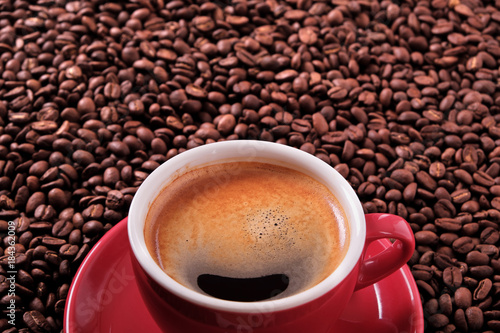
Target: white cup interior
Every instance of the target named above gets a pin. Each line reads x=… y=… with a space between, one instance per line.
x=246 y=150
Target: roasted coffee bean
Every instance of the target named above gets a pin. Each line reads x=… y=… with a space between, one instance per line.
x=452 y=277
x=474 y=317
x=438 y=320
x=482 y=290
x=481 y=272
x=52 y=242
x=463 y=298
x=446 y=304
x=489 y=250
x=431 y=306
x=476 y=258
x=426 y=237
x=92 y=227
x=36 y=322
x=226 y=124
x=65 y=268
x=482 y=178
x=75 y=237
x=444 y=208
x=426 y=288
x=81 y=253
x=68 y=250
x=460 y=320
x=93 y=212
x=489 y=236
x=62 y=228
x=460 y=196
x=449 y=224
x=403 y=176
x=319 y=123
x=463 y=245
x=115 y=199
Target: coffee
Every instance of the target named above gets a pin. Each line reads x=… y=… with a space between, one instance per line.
x=246 y=226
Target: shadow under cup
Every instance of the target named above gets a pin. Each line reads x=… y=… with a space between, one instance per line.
x=180 y=309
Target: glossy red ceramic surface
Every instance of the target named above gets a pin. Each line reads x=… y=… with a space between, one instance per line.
x=105 y=297
x=383 y=226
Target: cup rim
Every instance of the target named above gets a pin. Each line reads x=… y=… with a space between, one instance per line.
x=184 y=161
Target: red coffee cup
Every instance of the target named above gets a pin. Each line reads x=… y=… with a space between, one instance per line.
x=177 y=308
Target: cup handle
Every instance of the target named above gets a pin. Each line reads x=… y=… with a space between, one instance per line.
x=380 y=226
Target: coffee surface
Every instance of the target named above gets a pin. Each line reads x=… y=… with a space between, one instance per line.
x=247 y=220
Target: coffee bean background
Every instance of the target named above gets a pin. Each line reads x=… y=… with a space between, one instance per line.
x=401 y=97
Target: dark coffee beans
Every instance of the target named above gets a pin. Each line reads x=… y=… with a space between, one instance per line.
x=401 y=98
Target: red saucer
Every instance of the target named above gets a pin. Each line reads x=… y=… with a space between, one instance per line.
x=104 y=296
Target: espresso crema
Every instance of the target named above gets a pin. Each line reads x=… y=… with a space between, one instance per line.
x=246 y=220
